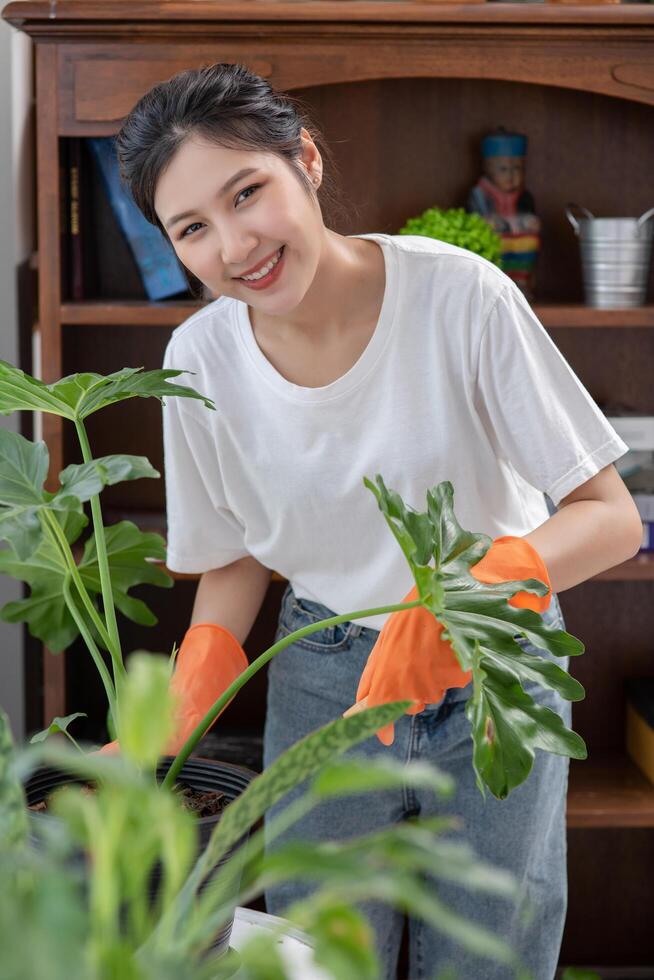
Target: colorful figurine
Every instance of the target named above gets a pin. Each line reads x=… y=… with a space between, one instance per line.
x=501 y=199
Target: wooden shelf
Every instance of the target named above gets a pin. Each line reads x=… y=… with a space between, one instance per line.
x=129 y=313
x=638 y=568
x=164 y=314
x=579 y=315
x=608 y=790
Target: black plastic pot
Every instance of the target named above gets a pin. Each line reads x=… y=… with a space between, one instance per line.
x=199 y=774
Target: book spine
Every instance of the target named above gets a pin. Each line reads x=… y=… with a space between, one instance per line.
x=647 y=543
x=64 y=222
x=75 y=234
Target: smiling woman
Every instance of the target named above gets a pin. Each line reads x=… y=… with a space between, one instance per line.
x=230 y=129
x=334 y=357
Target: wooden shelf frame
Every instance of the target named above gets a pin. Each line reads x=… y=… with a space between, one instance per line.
x=607 y=790
x=93 y=60
x=171 y=314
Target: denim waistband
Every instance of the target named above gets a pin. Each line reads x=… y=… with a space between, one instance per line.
x=553 y=615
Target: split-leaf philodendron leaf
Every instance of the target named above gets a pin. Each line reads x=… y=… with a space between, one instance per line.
x=483 y=629
x=23 y=498
x=45 y=610
x=79 y=395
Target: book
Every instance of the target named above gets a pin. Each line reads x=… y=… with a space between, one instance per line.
x=75 y=238
x=159 y=267
x=640 y=723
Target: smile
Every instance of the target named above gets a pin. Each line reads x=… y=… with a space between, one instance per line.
x=268 y=274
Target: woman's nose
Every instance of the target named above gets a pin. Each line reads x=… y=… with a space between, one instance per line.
x=237 y=249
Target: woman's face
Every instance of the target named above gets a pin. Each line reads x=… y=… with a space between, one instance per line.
x=222 y=227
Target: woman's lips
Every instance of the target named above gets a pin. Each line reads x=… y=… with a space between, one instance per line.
x=272 y=276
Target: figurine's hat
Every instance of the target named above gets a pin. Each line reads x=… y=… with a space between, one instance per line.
x=502 y=144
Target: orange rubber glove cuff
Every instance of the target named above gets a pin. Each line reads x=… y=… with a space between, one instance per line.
x=209 y=660
x=509 y=559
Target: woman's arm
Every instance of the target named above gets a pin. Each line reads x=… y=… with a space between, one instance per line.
x=596 y=527
x=232 y=596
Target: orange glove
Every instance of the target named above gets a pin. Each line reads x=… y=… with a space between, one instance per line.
x=409 y=659
x=209 y=660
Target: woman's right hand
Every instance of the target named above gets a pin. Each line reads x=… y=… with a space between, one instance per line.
x=209 y=660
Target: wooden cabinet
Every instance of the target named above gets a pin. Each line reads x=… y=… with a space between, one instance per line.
x=403 y=92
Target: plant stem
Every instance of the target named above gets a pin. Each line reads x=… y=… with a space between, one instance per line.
x=103 y=562
x=256 y=665
x=68 y=557
x=78 y=747
x=95 y=653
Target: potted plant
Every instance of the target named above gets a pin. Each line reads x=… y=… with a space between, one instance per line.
x=41 y=527
x=56 y=922
x=457 y=227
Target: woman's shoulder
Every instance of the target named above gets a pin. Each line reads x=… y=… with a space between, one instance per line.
x=448 y=276
x=427 y=250
x=203 y=335
x=192 y=330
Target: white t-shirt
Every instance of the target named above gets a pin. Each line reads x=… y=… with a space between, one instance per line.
x=459 y=382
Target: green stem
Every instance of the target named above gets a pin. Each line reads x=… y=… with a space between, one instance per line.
x=256 y=665
x=95 y=653
x=103 y=562
x=78 y=747
x=58 y=533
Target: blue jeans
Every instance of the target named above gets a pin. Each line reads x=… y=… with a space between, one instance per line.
x=311 y=683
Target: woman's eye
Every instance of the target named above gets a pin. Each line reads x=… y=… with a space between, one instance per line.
x=253 y=187
x=196 y=224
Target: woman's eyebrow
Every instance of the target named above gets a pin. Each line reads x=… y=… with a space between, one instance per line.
x=245 y=172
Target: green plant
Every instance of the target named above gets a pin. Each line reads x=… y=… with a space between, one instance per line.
x=54 y=923
x=40 y=527
x=457 y=227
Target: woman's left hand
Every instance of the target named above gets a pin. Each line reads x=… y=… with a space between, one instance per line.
x=410 y=660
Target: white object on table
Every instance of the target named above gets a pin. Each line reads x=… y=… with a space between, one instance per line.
x=294 y=947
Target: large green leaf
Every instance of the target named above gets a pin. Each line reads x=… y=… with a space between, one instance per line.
x=84 y=480
x=13 y=815
x=79 y=395
x=484 y=630
x=23 y=497
x=44 y=611
x=23 y=469
x=390 y=865
x=130 y=553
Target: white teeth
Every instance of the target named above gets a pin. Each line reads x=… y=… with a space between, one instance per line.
x=265 y=270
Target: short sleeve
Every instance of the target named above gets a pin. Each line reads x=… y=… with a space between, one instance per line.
x=536 y=412
x=203 y=533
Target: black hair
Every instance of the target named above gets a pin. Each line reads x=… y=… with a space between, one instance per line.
x=230 y=106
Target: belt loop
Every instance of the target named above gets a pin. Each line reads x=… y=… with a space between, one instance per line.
x=355 y=629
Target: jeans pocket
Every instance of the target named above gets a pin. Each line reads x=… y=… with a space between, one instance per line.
x=298 y=613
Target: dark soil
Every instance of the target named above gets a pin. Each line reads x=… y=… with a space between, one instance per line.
x=205 y=803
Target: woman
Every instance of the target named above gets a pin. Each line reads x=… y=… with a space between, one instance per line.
x=330 y=358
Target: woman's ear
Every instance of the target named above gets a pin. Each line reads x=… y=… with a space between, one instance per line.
x=310 y=155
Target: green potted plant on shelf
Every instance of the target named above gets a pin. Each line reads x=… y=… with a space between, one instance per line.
x=71 y=597
x=457 y=227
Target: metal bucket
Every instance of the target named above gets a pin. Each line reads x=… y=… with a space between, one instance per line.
x=615 y=257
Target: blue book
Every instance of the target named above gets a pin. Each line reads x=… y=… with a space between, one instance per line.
x=158 y=265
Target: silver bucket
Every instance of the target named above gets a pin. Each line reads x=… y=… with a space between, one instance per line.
x=615 y=257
